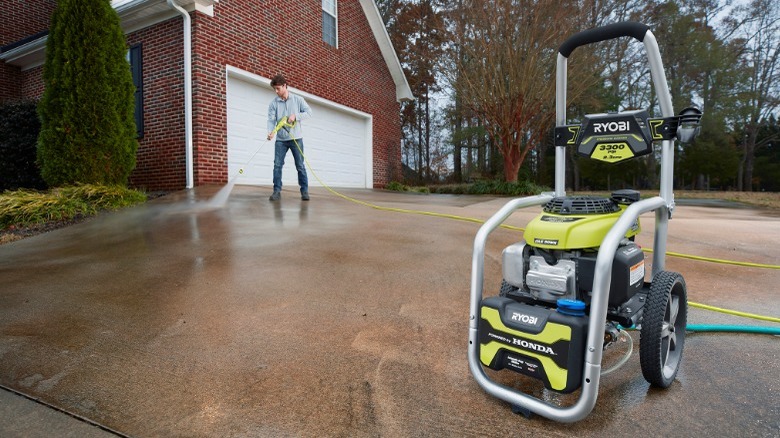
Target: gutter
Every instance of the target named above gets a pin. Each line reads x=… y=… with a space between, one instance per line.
x=187 y=90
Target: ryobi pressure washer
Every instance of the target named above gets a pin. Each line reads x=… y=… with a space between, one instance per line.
x=577 y=278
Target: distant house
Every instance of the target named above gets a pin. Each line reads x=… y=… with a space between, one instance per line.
x=336 y=53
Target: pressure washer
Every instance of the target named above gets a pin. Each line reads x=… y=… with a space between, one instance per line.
x=577 y=278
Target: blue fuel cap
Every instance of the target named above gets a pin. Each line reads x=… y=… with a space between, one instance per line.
x=571 y=307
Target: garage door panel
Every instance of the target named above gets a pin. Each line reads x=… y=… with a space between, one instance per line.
x=335 y=142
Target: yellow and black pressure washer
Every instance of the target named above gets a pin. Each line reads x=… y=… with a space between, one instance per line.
x=578 y=278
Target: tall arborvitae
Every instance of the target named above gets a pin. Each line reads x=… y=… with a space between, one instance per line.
x=87 y=125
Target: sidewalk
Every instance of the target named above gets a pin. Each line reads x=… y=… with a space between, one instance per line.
x=20 y=416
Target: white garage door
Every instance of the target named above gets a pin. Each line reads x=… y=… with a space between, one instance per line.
x=337 y=140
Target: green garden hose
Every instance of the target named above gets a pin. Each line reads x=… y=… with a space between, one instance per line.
x=733 y=329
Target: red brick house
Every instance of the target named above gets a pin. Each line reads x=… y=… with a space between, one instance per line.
x=336 y=53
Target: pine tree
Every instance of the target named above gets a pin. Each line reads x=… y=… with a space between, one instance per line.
x=87 y=125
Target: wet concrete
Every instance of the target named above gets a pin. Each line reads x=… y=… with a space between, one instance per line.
x=332 y=319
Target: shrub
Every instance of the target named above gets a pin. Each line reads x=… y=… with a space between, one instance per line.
x=395 y=186
x=19 y=128
x=519 y=188
x=29 y=207
x=486 y=187
x=398 y=187
x=87 y=125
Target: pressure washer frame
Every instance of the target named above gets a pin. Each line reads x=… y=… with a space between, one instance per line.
x=662 y=205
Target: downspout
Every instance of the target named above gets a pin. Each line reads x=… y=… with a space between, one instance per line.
x=187 y=89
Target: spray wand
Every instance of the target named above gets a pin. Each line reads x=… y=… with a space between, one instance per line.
x=282 y=124
x=220 y=198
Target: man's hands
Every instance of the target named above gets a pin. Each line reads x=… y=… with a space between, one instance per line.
x=286 y=122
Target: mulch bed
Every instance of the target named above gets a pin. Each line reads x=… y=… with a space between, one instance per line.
x=14 y=233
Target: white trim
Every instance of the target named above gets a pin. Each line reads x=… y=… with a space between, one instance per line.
x=133 y=26
x=140 y=14
x=244 y=75
x=402 y=90
x=28 y=55
x=202 y=6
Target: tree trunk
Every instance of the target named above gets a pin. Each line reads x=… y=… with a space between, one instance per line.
x=512 y=158
x=750 y=152
x=420 y=160
x=741 y=169
x=481 y=148
x=511 y=167
x=457 y=144
x=469 y=159
x=427 y=136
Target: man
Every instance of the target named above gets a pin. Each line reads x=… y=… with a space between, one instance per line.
x=296 y=110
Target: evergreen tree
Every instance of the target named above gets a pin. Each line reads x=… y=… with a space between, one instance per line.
x=87 y=125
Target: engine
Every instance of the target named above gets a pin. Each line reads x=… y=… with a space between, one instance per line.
x=557 y=258
x=540 y=275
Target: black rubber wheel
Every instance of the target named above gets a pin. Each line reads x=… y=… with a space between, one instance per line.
x=662 y=336
x=506 y=288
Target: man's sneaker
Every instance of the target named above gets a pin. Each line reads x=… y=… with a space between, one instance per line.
x=305 y=196
x=275 y=196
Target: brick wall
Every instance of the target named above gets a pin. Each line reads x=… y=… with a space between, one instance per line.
x=209 y=102
x=161 y=157
x=32 y=83
x=10 y=77
x=20 y=19
x=285 y=37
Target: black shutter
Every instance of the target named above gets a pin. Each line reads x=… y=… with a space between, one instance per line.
x=136 y=67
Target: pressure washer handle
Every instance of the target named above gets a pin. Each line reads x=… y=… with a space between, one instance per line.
x=283 y=124
x=604 y=33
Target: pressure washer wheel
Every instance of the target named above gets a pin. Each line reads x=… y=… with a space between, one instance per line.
x=663 y=329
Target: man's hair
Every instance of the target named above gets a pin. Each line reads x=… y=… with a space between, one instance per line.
x=278 y=80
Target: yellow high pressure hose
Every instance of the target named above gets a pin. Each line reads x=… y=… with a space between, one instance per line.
x=734 y=312
x=714 y=260
x=284 y=124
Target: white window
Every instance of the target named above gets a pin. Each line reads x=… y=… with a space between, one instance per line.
x=330 y=22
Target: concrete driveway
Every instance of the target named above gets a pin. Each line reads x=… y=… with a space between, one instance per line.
x=329 y=318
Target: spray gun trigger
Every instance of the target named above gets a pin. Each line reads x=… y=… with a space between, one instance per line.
x=284 y=124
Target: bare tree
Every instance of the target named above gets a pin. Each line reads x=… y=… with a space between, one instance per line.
x=502 y=69
x=760 y=96
x=418 y=35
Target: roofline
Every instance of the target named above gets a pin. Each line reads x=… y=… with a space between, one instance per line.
x=139 y=14
x=402 y=90
x=134 y=15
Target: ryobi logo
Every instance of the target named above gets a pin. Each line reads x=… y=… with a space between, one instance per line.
x=600 y=127
x=527 y=319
